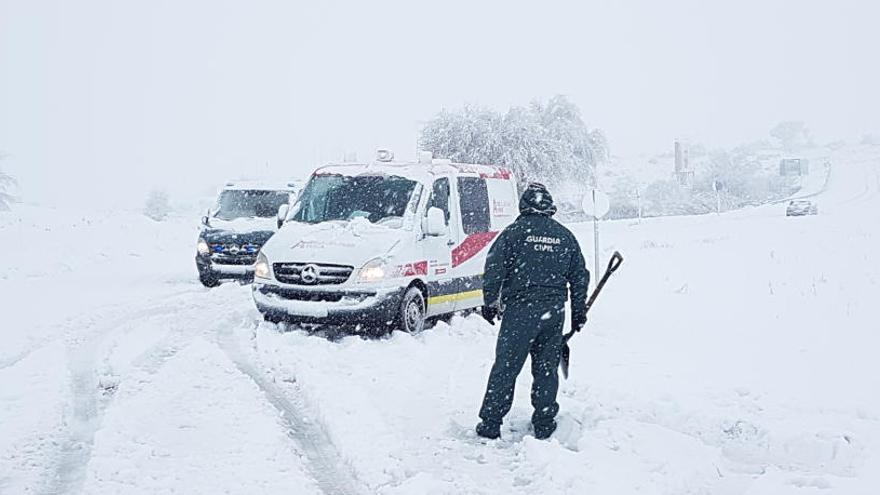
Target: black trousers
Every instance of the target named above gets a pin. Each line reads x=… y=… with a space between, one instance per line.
x=527 y=328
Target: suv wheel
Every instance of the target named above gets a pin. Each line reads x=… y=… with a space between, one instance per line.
x=208 y=279
x=412 y=311
x=272 y=317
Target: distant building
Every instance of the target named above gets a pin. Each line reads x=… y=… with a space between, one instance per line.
x=684 y=172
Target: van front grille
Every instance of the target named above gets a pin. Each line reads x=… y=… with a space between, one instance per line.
x=311 y=273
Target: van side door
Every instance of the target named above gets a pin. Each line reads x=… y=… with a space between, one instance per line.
x=469 y=256
x=438 y=251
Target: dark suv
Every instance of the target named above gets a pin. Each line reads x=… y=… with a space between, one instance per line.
x=233 y=232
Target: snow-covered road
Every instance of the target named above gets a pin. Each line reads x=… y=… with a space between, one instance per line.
x=732 y=354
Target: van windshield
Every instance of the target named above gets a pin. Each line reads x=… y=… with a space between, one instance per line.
x=234 y=204
x=379 y=199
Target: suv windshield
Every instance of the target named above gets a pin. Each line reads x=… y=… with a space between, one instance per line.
x=379 y=199
x=234 y=204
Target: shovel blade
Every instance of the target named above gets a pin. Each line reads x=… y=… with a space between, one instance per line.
x=563 y=360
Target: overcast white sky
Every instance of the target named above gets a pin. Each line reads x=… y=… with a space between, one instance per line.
x=101 y=95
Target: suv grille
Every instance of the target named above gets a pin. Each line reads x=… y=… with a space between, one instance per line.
x=315 y=273
x=234 y=254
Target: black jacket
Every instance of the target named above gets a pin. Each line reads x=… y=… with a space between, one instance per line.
x=536 y=259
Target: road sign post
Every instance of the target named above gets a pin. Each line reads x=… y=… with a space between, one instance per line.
x=717 y=186
x=596 y=205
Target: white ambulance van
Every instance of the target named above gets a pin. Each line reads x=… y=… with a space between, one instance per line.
x=386 y=244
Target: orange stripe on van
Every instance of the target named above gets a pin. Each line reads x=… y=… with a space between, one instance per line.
x=499 y=173
x=472 y=245
x=417 y=268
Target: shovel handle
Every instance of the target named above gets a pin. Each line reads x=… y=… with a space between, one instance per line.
x=614 y=262
x=613 y=265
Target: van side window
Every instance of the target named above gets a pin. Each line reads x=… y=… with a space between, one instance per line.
x=440 y=196
x=474 y=201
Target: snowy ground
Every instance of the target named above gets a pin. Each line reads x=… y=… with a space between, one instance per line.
x=732 y=354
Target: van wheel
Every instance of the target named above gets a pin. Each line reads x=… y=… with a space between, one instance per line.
x=412 y=311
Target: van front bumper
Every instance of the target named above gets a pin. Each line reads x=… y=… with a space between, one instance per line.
x=320 y=305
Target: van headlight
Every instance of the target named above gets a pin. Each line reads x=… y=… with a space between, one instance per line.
x=202 y=246
x=372 y=271
x=261 y=267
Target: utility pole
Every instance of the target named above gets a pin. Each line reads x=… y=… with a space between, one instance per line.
x=639 y=203
x=596 y=238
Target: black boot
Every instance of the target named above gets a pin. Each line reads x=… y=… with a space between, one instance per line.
x=488 y=430
x=544 y=430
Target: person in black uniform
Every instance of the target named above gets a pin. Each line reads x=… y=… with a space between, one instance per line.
x=529 y=272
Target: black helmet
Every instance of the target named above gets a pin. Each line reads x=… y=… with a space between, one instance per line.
x=536 y=199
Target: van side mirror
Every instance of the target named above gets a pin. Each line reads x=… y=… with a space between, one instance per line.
x=206 y=220
x=435 y=223
x=282 y=214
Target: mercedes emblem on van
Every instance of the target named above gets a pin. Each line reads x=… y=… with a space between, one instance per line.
x=309 y=274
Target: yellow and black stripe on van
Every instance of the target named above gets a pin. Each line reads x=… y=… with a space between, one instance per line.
x=455 y=289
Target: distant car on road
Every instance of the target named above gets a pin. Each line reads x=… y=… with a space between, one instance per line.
x=801 y=207
x=236 y=228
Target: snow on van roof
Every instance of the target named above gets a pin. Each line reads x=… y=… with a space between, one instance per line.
x=256 y=185
x=421 y=172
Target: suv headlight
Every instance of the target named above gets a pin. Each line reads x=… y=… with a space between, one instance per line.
x=202 y=246
x=373 y=271
x=261 y=267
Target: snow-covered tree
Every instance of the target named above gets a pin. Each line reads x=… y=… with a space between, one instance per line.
x=737 y=177
x=743 y=181
x=546 y=141
x=791 y=134
x=570 y=156
x=667 y=197
x=623 y=199
x=471 y=135
x=6 y=182
x=599 y=145
x=157 y=206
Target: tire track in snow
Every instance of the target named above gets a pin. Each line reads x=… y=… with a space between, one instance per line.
x=69 y=471
x=14 y=359
x=323 y=460
x=90 y=399
x=18 y=357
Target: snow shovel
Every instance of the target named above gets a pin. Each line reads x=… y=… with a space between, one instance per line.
x=613 y=264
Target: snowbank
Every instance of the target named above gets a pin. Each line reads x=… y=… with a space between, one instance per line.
x=731 y=354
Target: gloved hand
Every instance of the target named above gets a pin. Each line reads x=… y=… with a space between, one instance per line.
x=490 y=313
x=578 y=321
